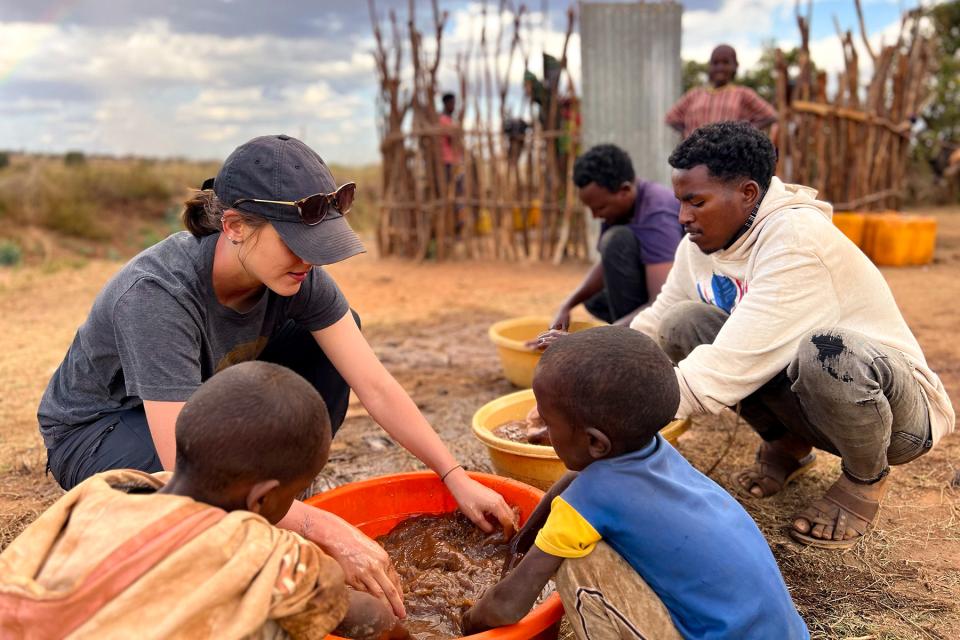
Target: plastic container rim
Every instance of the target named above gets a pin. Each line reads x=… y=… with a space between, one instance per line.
x=486 y=436
x=495 y=332
x=502 y=444
x=537 y=620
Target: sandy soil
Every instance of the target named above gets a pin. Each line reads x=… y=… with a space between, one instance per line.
x=428 y=324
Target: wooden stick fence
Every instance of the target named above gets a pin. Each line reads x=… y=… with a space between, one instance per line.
x=853 y=149
x=511 y=196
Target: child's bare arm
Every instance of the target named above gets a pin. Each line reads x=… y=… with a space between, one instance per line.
x=528 y=533
x=369 y=619
x=511 y=598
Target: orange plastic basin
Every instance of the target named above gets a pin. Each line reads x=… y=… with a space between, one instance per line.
x=377 y=505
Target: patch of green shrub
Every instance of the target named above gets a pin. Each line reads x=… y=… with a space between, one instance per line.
x=10 y=253
x=74 y=158
x=75 y=218
x=149 y=237
x=117 y=183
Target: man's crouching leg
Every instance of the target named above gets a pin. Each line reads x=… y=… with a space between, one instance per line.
x=687 y=325
x=862 y=402
x=862 y=398
x=605 y=599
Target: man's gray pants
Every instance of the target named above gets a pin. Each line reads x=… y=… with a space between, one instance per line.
x=842 y=392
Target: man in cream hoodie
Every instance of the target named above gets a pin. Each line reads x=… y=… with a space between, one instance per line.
x=770 y=306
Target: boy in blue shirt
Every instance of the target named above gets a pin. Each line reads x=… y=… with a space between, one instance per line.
x=642 y=544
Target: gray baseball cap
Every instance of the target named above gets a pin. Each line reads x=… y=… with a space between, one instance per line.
x=283 y=168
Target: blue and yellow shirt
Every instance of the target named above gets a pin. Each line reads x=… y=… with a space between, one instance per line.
x=688 y=538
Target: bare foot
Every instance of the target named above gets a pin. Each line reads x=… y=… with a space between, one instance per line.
x=843 y=514
x=778 y=462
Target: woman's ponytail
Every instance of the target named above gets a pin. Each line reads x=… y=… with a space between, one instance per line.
x=202 y=212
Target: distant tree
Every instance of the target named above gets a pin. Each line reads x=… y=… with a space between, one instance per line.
x=762 y=77
x=74 y=158
x=940 y=133
x=4 y=159
x=694 y=74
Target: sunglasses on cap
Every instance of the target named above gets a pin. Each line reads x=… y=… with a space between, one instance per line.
x=313 y=209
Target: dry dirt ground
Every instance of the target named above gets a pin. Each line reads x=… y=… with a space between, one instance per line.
x=428 y=323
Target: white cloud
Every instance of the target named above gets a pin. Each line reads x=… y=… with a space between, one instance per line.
x=21 y=40
x=703 y=30
x=221 y=134
x=315 y=101
x=24 y=106
x=158 y=92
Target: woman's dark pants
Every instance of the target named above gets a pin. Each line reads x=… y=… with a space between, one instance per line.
x=122 y=440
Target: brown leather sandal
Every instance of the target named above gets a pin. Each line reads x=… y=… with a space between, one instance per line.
x=844 y=511
x=772 y=472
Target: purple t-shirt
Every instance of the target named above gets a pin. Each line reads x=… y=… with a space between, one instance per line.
x=655 y=222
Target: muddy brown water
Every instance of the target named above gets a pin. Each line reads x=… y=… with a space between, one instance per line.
x=445 y=563
x=521 y=431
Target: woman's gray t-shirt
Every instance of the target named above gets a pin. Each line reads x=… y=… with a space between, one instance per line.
x=157 y=331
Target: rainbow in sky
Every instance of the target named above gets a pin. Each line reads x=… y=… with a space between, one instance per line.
x=56 y=13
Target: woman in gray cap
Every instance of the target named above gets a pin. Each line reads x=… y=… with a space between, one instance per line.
x=240 y=285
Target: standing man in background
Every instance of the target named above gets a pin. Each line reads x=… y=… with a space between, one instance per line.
x=450 y=151
x=451 y=154
x=722 y=100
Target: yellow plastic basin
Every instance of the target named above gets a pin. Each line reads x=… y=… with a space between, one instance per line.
x=534 y=464
x=517 y=359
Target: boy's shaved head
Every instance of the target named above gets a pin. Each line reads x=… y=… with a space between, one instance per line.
x=612 y=379
x=252 y=422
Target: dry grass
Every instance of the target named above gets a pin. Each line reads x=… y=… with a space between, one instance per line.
x=71 y=199
x=115 y=206
x=366 y=207
x=24 y=491
x=891 y=585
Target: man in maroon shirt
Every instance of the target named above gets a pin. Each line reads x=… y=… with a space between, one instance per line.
x=722 y=100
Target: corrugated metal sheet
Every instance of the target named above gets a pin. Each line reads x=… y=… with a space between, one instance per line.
x=631 y=76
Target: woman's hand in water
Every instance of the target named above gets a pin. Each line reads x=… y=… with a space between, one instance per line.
x=477 y=502
x=365 y=564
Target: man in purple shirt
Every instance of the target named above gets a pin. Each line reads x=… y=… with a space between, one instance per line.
x=638 y=238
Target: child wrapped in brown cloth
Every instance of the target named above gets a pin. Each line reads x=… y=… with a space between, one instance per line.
x=194 y=555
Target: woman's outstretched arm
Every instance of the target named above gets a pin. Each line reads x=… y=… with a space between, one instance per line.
x=394 y=410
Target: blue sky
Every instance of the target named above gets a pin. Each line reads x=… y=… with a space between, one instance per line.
x=195 y=78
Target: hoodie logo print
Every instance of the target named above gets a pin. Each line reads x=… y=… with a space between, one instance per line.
x=722 y=291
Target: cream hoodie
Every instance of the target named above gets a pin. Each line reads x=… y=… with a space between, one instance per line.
x=793 y=272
